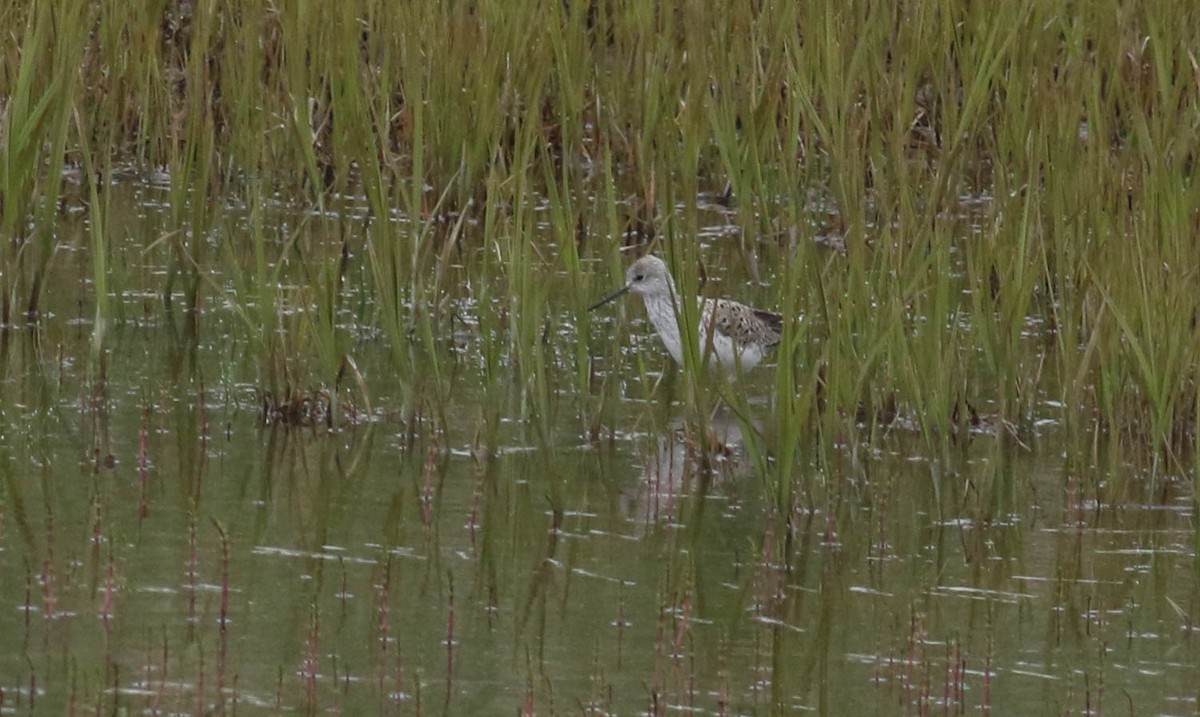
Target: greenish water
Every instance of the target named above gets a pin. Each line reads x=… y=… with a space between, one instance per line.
x=402 y=564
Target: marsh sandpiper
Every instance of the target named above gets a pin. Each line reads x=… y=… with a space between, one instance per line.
x=733 y=335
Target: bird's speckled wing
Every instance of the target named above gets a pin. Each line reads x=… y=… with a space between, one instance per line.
x=743 y=324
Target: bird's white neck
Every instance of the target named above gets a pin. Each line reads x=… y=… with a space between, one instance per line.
x=662 y=312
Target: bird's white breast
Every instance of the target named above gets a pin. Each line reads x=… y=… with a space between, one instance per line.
x=714 y=344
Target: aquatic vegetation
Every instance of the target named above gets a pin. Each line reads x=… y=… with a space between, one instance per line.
x=296 y=367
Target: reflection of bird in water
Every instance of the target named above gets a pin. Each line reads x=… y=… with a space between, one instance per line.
x=674 y=468
x=735 y=335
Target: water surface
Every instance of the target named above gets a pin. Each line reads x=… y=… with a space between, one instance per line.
x=165 y=547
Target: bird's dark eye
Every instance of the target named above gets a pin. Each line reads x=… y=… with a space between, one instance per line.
x=639 y=277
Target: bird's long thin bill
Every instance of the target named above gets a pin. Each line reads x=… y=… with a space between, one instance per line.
x=604 y=301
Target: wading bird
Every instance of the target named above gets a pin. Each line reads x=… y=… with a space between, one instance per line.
x=733 y=335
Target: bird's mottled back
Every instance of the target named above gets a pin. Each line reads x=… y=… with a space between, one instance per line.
x=743 y=324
